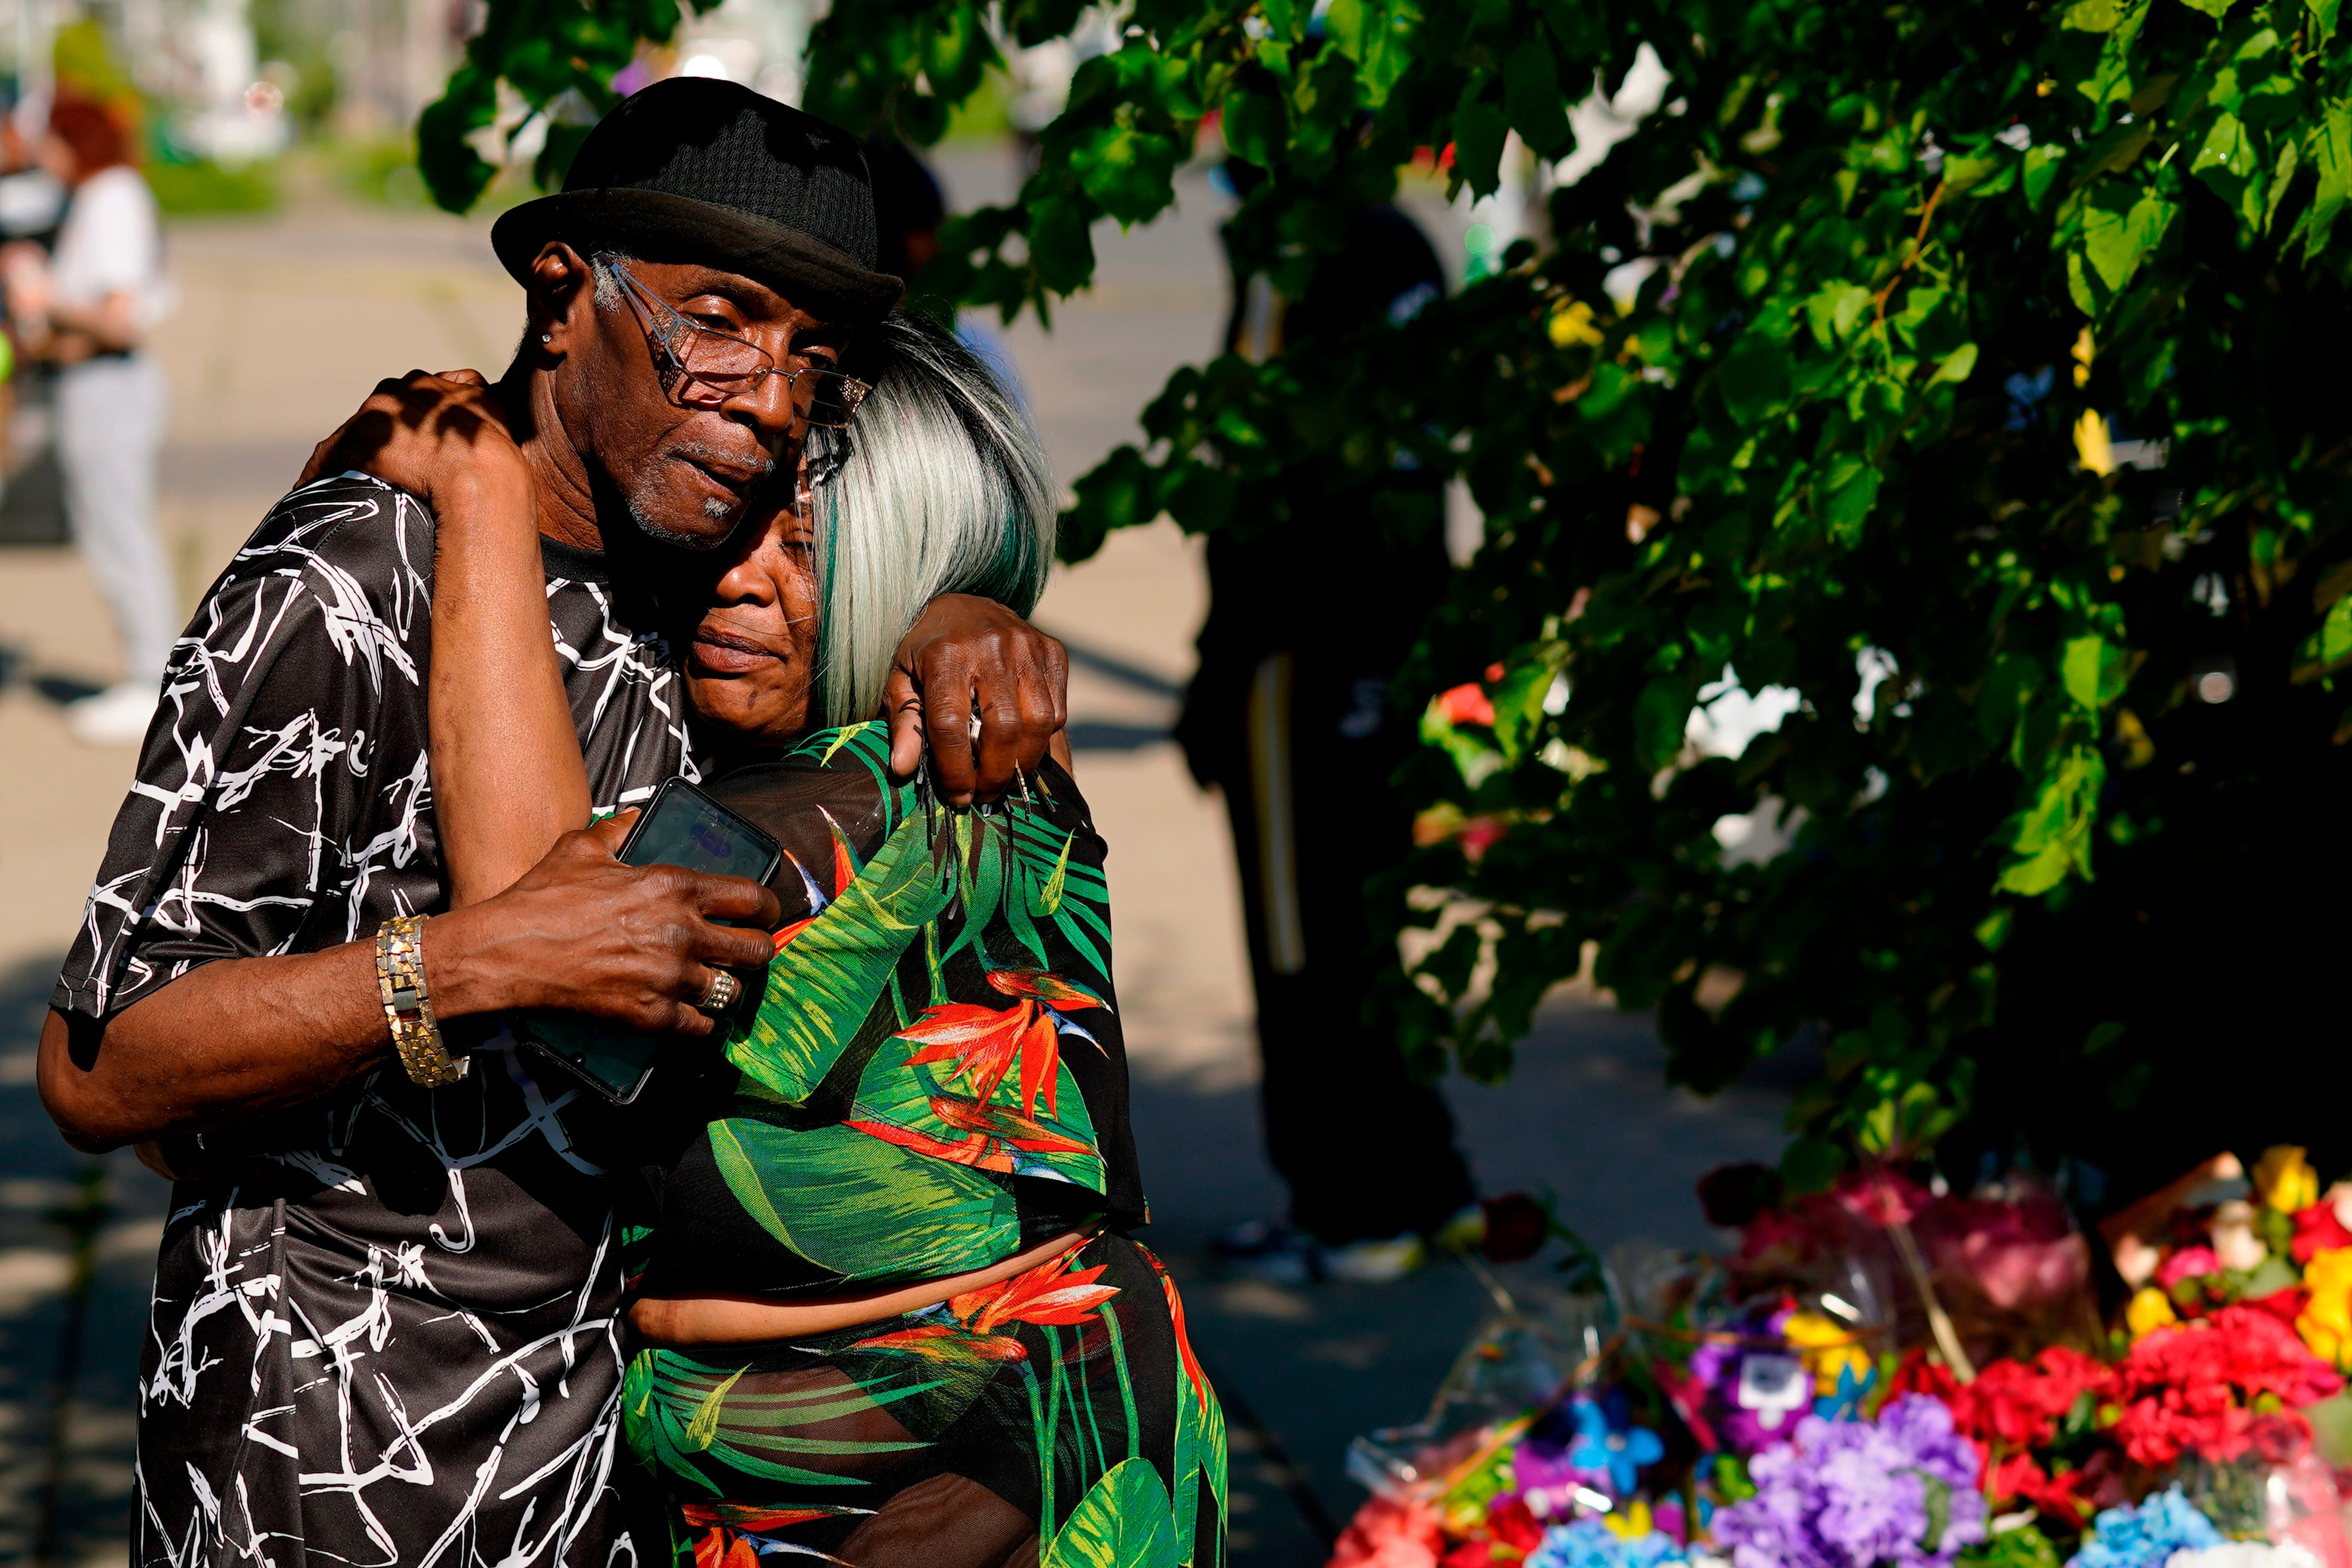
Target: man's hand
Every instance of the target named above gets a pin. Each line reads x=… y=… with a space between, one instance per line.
x=968 y=658
x=428 y=433
x=240 y=1037
x=583 y=933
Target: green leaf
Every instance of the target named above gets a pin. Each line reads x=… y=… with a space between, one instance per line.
x=1532 y=99
x=1130 y=172
x=1479 y=130
x=2331 y=154
x=1059 y=245
x=2051 y=837
x=1519 y=699
x=1834 y=310
x=1378 y=36
x=2214 y=9
x=2093 y=15
x=1956 y=366
x=1853 y=489
x=1661 y=715
x=1754 y=379
x=866 y=1209
x=2323 y=19
x=1123 y=1521
x=824 y=982
x=2118 y=242
x=1255 y=127
x=2042 y=161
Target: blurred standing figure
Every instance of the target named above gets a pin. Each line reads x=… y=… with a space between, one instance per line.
x=88 y=309
x=1292 y=693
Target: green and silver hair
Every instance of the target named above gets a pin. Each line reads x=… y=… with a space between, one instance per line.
x=944 y=489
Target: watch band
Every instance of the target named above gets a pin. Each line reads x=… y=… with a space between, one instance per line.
x=408 y=1006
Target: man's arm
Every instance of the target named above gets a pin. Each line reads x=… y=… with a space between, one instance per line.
x=237 y=1038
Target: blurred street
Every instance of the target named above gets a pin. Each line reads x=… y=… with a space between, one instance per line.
x=286 y=322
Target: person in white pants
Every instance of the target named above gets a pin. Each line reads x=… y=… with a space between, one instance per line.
x=87 y=310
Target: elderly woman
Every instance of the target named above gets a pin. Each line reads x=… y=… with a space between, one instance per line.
x=890 y=1312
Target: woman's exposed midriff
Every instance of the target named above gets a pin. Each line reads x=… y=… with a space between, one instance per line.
x=678 y=1323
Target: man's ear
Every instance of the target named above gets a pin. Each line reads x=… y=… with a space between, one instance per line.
x=562 y=296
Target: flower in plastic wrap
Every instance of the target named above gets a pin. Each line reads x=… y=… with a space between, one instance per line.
x=1590 y=1543
x=1855 y=1494
x=2018 y=1251
x=2284 y=1179
x=1609 y=1448
x=1390 y=1532
x=2245 y=1554
x=2192 y=1389
x=2145 y=1536
x=1753 y=1390
x=2326 y=1323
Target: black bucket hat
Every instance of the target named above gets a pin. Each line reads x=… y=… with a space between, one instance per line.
x=699 y=169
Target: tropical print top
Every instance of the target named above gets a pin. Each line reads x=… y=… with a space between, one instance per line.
x=933 y=1078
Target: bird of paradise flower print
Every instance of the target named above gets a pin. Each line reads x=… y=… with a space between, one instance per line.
x=986 y=1043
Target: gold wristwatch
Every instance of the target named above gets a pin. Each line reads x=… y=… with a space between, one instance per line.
x=408 y=1007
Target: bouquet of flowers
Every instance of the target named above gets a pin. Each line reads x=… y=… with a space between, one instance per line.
x=1772 y=1409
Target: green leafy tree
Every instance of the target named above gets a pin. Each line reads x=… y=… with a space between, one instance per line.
x=1919 y=276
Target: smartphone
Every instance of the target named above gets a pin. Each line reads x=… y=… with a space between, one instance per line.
x=683 y=827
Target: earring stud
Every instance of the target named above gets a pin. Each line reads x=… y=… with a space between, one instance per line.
x=547 y=337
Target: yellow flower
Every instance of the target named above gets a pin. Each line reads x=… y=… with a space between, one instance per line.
x=2325 y=1325
x=1571 y=323
x=1633 y=1521
x=2150 y=1310
x=1826 y=1347
x=2286 y=1179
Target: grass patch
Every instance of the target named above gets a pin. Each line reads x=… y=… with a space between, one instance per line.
x=203 y=186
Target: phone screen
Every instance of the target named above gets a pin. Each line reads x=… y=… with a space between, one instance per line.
x=683 y=828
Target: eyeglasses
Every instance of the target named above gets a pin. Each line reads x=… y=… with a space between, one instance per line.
x=693 y=354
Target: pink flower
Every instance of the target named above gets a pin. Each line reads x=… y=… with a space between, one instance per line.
x=1467 y=704
x=1388 y=1532
x=2188 y=1263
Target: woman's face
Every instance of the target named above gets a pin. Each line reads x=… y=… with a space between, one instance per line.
x=749 y=668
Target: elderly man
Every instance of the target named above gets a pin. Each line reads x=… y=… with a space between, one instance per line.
x=385 y=1324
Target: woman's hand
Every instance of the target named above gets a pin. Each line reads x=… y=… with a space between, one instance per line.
x=967 y=659
x=583 y=933
x=443 y=437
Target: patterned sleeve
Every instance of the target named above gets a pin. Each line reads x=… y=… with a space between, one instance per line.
x=281 y=796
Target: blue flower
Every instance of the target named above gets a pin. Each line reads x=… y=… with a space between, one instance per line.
x=2145 y=1536
x=1589 y=1543
x=1608 y=1442
x=1845 y=1404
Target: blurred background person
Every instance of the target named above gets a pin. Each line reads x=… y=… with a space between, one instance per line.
x=1289 y=716
x=909 y=208
x=88 y=309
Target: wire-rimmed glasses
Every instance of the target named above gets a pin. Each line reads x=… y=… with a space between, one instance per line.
x=693 y=354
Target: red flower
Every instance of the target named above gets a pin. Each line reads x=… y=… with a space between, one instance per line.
x=986 y=1045
x=1044 y=1295
x=1183 y=1337
x=1511 y=1525
x=716 y=1526
x=1466 y=705
x=2191 y=1388
x=2316 y=1229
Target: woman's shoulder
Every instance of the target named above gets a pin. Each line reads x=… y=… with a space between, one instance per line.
x=831 y=791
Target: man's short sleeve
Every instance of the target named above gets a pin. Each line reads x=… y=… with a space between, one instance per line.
x=282 y=804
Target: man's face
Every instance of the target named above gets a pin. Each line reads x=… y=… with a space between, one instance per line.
x=684 y=456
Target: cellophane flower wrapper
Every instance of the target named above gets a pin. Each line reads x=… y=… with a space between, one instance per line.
x=1742 y=1354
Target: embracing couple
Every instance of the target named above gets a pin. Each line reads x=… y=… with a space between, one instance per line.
x=847 y=1278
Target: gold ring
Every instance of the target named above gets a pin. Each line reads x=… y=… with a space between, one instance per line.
x=721 y=992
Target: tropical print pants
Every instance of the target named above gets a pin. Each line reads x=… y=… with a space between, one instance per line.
x=1057 y=1419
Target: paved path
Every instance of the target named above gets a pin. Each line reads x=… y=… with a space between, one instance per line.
x=287 y=323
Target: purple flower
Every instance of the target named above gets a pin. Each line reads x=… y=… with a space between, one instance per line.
x=1899 y=1492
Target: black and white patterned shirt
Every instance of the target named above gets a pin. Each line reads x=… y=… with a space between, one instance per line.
x=388 y=1331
